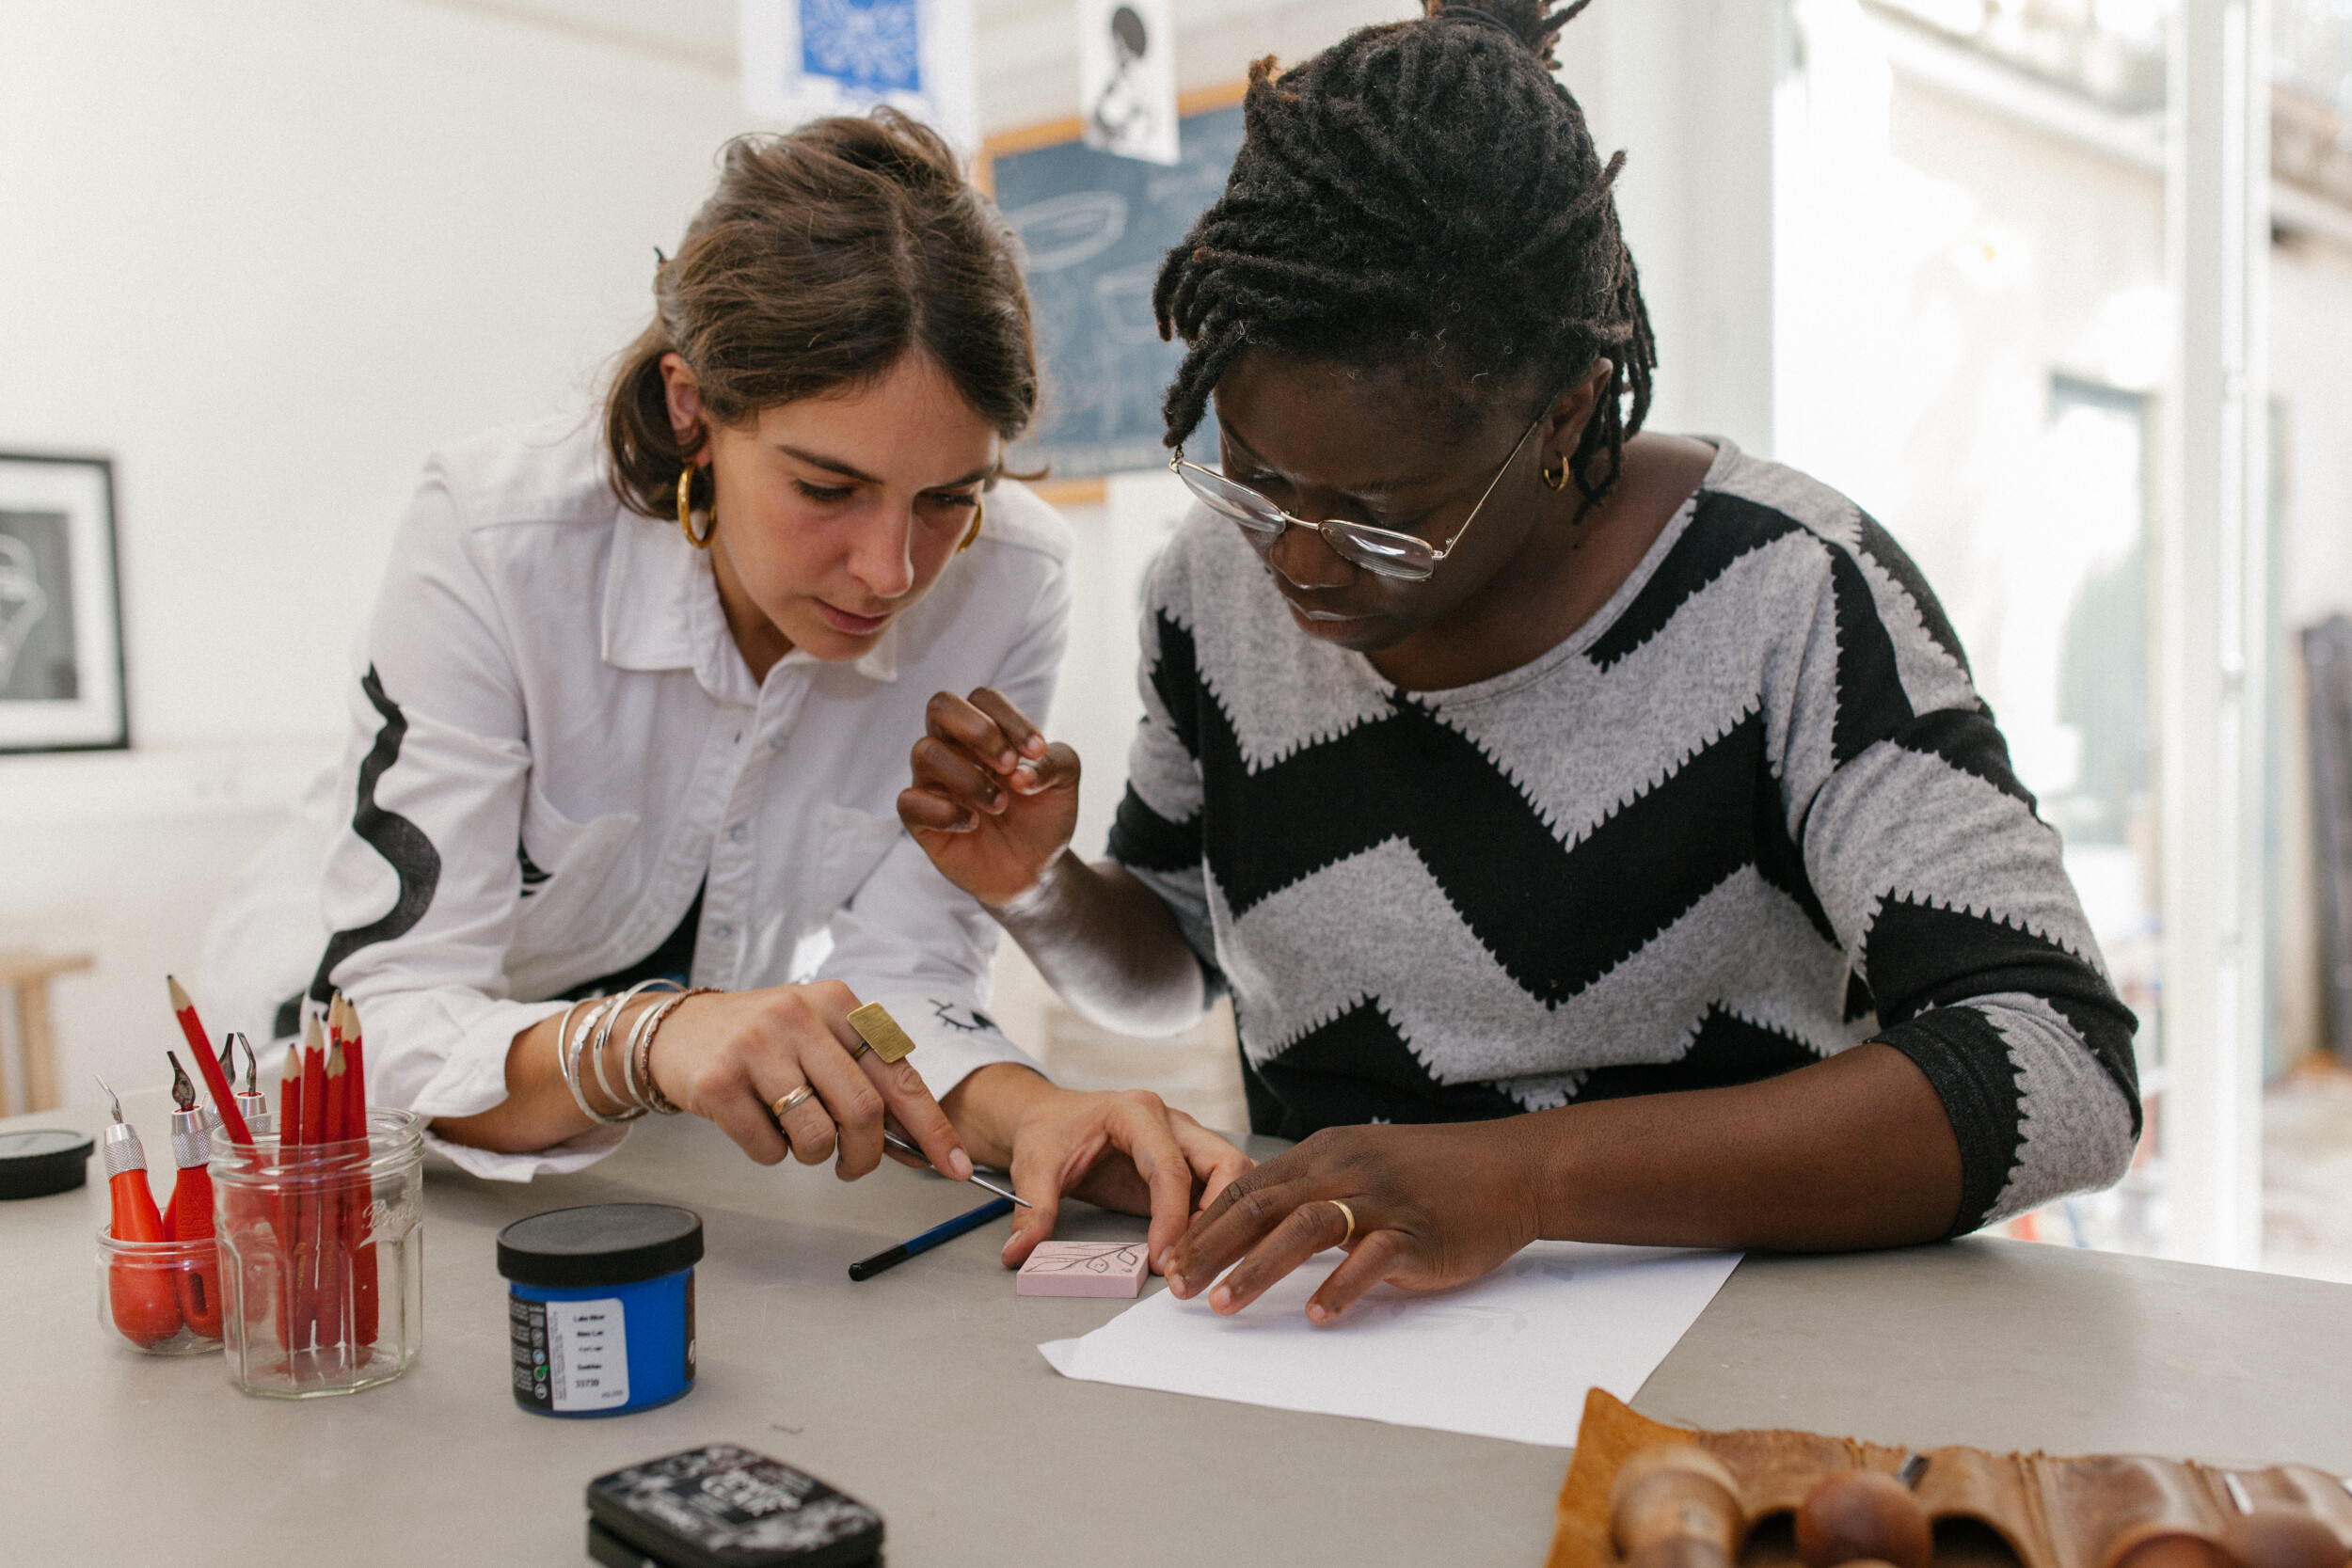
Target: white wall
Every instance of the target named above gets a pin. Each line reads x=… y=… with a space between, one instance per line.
x=267 y=255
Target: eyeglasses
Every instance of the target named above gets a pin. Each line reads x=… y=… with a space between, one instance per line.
x=1377 y=549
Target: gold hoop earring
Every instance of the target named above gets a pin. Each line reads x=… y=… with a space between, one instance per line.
x=979 y=509
x=1557 y=479
x=686 y=513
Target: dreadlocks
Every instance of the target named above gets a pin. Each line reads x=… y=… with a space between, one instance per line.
x=1421 y=187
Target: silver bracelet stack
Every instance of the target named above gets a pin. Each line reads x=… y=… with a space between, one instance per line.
x=594 y=1032
x=637 y=1062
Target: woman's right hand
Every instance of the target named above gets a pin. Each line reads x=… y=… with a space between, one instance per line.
x=730 y=1057
x=994 y=802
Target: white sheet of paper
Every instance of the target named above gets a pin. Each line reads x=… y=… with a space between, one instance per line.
x=1510 y=1355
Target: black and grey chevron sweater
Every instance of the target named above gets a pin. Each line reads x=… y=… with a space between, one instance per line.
x=1750 y=814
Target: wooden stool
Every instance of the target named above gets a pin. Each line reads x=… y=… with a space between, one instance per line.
x=28 y=975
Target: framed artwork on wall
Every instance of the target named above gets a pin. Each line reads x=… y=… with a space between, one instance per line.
x=60 y=609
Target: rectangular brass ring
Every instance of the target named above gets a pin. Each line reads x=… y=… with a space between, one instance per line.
x=878 y=1029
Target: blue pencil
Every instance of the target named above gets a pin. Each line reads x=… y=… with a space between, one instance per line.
x=970 y=1220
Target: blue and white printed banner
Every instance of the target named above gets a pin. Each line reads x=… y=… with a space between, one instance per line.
x=804 y=59
x=1127 y=77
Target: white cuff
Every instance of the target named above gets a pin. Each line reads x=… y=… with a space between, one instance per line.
x=471 y=1079
x=952 y=1038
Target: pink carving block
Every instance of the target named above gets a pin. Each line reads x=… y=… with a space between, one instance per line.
x=1082 y=1269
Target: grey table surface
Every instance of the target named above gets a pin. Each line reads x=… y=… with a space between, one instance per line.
x=922 y=1392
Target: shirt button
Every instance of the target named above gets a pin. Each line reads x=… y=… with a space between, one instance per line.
x=776 y=744
x=735 y=835
x=723 y=933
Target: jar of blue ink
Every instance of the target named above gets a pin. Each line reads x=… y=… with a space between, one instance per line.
x=600 y=1307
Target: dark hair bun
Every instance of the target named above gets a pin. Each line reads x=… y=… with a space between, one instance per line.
x=1527 y=21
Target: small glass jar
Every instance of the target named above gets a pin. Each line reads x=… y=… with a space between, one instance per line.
x=323 y=1259
x=160 y=1298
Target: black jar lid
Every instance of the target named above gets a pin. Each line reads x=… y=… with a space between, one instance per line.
x=601 y=1243
x=38 y=1161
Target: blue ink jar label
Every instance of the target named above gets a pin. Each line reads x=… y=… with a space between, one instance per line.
x=600 y=1307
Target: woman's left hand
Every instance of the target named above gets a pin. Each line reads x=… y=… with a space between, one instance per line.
x=1122 y=1149
x=1434 y=1205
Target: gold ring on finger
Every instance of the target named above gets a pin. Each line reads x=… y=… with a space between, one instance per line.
x=785 y=1103
x=1350 y=1214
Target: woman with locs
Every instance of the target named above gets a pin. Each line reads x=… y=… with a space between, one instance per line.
x=633 y=709
x=1598 y=830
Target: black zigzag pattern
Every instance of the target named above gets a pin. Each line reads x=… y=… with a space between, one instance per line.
x=1144 y=839
x=1556 y=919
x=1969 y=741
x=1860 y=1004
x=1890 y=558
x=1871 y=704
x=1921 y=958
x=1726 y=1049
x=1176 y=680
x=1722 y=529
x=1357 y=1068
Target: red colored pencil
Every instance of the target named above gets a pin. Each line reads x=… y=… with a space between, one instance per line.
x=313 y=1210
x=363 y=1278
x=224 y=1100
x=289 y=1207
x=334 y=1252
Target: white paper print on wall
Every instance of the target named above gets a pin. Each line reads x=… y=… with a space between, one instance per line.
x=804 y=59
x=60 y=620
x=1127 y=77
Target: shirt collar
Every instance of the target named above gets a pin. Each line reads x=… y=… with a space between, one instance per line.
x=661 y=612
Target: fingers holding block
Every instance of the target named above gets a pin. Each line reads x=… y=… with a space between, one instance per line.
x=1082 y=1269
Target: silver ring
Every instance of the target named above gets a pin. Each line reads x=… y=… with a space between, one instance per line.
x=863 y=1047
x=786 y=1103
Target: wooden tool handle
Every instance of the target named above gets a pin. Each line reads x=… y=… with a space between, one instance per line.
x=1862 y=1515
x=1672 y=1492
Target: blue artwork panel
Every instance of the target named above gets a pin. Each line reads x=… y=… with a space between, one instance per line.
x=1095 y=226
x=868 y=46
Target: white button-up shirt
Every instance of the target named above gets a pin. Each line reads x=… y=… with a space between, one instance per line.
x=557 y=743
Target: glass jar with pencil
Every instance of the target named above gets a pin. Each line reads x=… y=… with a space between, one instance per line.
x=317 y=1218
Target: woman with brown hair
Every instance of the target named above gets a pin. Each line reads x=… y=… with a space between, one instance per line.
x=633 y=707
